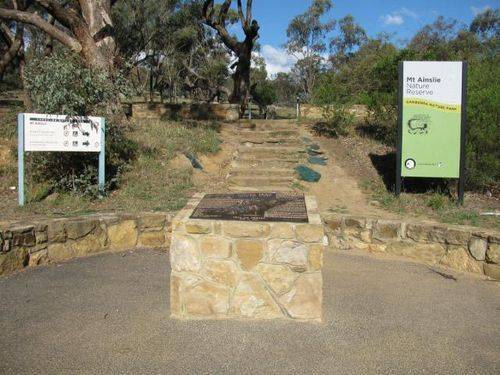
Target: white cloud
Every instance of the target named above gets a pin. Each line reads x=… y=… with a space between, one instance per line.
x=393 y=19
x=277 y=59
x=398 y=17
x=478 y=10
x=409 y=13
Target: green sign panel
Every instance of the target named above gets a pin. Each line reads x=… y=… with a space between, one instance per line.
x=431 y=119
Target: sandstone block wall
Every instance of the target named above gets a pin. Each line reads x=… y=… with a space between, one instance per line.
x=193 y=111
x=461 y=248
x=257 y=270
x=55 y=240
x=312 y=112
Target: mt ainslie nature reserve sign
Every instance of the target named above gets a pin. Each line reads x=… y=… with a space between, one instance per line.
x=432 y=100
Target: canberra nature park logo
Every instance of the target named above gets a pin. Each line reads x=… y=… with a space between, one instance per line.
x=419 y=124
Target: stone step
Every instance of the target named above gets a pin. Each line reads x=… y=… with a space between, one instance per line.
x=269 y=160
x=271 y=151
x=257 y=181
x=267 y=172
x=252 y=124
x=267 y=156
x=266 y=134
x=259 y=143
x=261 y=189
x=265 y=163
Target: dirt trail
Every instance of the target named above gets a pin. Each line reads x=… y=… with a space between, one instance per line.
x=266 y=153
x=337 y=190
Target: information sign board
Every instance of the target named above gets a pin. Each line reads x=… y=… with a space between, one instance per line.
x=48 y=133
x=44 y=132
x=431 y=123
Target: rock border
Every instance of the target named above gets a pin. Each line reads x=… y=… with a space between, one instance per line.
x=462 y=248
x=53 y=240
x=45 y=241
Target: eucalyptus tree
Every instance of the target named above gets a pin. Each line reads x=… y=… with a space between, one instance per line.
x=487 y=24
x=83 y=26
x=286 y=88
x=349 y=38
x=217 y=18
x=144 y=39
x=168 y=40
x=11 y=39
x=306 y=41
x=202 y=54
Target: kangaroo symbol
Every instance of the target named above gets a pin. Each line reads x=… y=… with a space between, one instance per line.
x=418 y=125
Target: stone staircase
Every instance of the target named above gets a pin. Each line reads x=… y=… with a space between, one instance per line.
x=267 y=154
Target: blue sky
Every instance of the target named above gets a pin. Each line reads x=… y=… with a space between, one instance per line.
x=402 y=17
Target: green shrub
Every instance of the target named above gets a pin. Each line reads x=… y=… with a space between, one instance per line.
x=264 y=94
x=61 y=84
x=483 y=121
x=381 y=97
x=381 y=120
x=337 y=121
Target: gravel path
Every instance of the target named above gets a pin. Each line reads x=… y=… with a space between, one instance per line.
x=108 y=314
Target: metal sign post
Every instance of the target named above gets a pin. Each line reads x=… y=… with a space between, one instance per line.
x=250 y=108
x=20 y=158
x=461 y=178
x=298 y=108
x=102 y=159
x=400 y=129
x=46 y=133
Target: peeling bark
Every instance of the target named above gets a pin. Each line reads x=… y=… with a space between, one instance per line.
x=89 y=31
x=91 y=28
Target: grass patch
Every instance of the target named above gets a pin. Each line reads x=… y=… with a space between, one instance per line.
x=168 y=138
x=8 y=127
x=148 y=182
x=297 y=186
x=433 y=204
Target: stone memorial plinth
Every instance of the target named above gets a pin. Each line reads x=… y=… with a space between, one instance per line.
x=256 y=255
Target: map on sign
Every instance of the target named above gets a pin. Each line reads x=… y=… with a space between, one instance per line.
x=44 y=132
x=289 y=207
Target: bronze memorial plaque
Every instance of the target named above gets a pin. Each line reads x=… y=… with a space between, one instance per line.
x=288 y=207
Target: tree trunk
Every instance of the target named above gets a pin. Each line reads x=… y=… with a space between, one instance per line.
x=13 y=50
x=100 y=45
x=26 y=97
x=241 y=77
x=243 y=50
x=92 y=37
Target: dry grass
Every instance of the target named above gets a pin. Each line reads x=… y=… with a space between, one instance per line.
x=148 y=183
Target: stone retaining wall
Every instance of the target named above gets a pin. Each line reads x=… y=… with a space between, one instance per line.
x=313 y=112
x=458 y=247
x=193 y=111
x=55 y=240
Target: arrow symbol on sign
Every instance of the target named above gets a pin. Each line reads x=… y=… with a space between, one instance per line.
x=86 y=143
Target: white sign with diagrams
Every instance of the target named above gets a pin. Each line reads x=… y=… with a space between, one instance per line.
x=44 y=132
